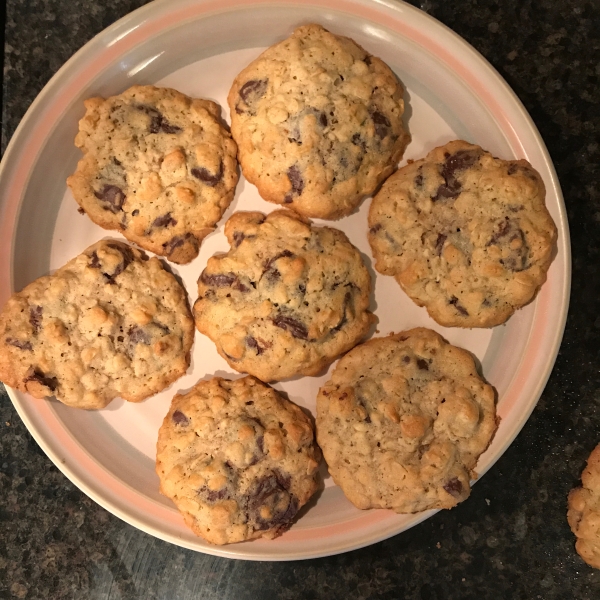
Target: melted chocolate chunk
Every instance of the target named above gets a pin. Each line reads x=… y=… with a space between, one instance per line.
x=358 y=141
x=113 y=196
x=35 y=318
x=158 y=123
x=164 y=221
x=295 y=327
x=34 y=374
x=138 y=336
x=344 y=319
x=95 y=262
x=127 y=258
x=451 y=188
x=219 y=279
x=253 y=90
x=419 y=180
x=422 y=364
x=252 y=343
x=297 y=182
x=382 y=124
x=269 y=492
x=516 y=256
x=19 y=344
x=439 y=243
x=454 y=487
x=459 y=307
x=180 y=419
x=238 y=238
x=206 y=176
x=282 y=254
x=178 y=241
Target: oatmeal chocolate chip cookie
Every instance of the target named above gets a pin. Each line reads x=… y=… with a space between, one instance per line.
x=109 y=323
x=318 y=122
x=584 y=511
x=403 y=421
x=287 y=299
x=158 y=167
x=465 y=234
x=237 y=459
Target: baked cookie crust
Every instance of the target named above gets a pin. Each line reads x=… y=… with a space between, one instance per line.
x=318 y=123
x=237 y=459
x=584 y=511
x=109 y=323
x=158 y=166
x=403 y=420
x=465 y=234
x=287 y=299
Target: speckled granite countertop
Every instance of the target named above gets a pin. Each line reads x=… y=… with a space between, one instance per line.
x=511 y=539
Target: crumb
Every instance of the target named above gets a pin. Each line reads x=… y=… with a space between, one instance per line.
x=488 y=502
x=7 y=423
x=438 y=545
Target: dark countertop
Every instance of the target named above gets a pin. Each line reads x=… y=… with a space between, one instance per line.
x=511 y=538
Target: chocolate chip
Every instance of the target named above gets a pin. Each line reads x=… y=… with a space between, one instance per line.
x=419 y=180
x=454 y=487
x=382 y=124
x=95 y=262
x=165 y=220
x=218 y=280
x=323 y=119
x=135 y=213
x=358 y=141
x=406 y=359
x=367 y=60
x=34 y=374
x=206 y=176
x=377 y=227
x=113 y=196
x=515 y=258
x=269 y=492
x=439 y=243
x=252 y=343
x=282 y=254
x=35 y=317
x=180 y=419
x=238 y=238
x=253 y=90
x=19 y=344
x=503 y=231
x=422 y=364
x=138 y=336
x=461 y=160
x=459 y=307
x=295 y=327
x=178 y=241
x=116 y=161
x=297 y=182
x=344 y=318
x=158 y=123
x=127 y=258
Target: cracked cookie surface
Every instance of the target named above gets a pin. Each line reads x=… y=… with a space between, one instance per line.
x=237 y=459
x=403 y=420
x=584 y=511
x=287 y=299
x=318 y=123
x=158 y=166
x=109 y=323
x=465 y=234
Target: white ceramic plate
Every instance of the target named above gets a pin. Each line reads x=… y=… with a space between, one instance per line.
x=198 y=47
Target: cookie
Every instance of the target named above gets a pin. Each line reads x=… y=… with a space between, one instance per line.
x=287 y=299
x=318 y=123
x=237 y=459
x=403 y=420
x=158 y=167
x=465 y=234
x=109 y=323
x=584 y=511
